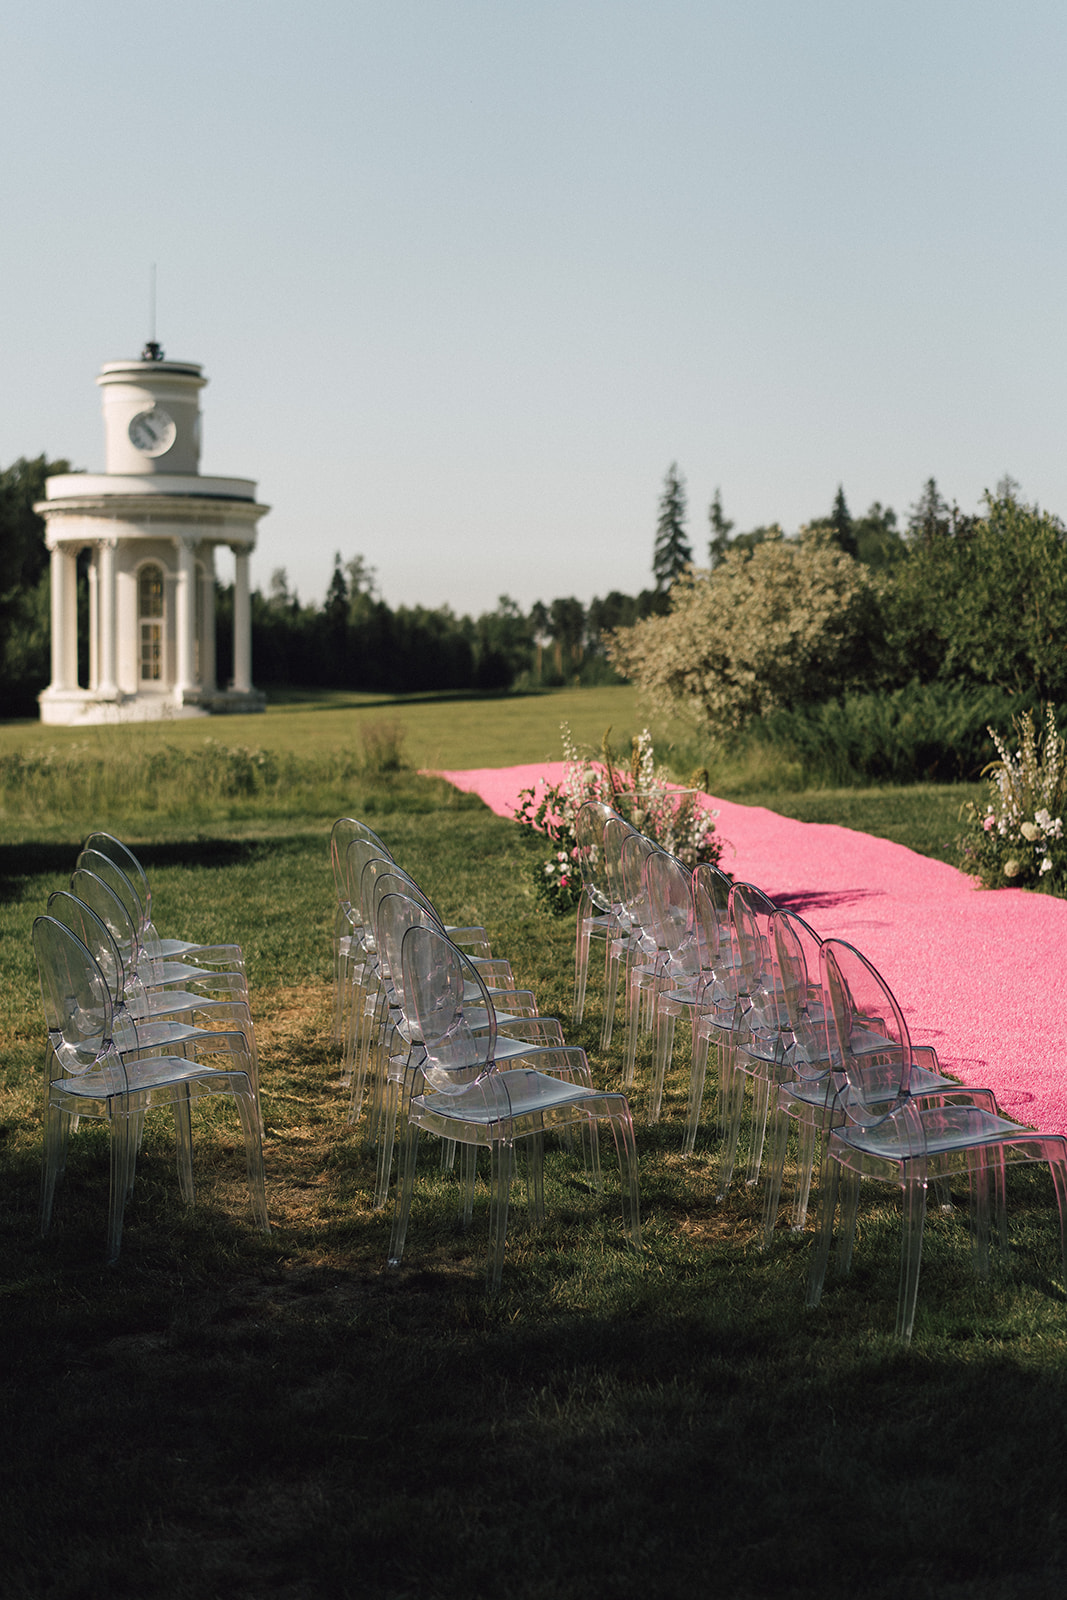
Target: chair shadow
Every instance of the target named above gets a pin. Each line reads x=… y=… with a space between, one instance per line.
x=803 y=900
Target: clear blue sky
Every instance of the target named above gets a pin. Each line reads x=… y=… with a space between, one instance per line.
x=467 y=275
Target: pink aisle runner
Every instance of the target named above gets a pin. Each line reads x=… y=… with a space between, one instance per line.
x=979 y=975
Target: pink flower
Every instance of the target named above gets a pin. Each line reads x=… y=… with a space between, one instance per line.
x=989 y=822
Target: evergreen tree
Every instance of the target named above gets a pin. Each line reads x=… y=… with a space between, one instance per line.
x=929 y=516
x=840 y=524
x=671 y=553
x=720 y=530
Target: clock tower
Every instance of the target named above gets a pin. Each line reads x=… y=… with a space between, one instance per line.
x=152 y=525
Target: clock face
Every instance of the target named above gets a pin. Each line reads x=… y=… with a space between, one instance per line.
x=152 y=432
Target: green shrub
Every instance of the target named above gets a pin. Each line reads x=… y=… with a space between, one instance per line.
x=779 y=625
x=922 y=733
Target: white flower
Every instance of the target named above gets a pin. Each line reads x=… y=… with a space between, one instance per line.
x=1046 y=866
x=1030 y=831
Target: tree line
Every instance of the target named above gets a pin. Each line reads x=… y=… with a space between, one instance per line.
x=353 y=640
x=968 y=604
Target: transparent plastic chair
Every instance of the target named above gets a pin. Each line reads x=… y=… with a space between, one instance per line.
x=129 y=868
x=681 y=978
x=596 y=918
x=713 y=1017
x=158 y=1017
x=401 y=1052
x=759 y=1030
x=139 y=945
x=806 y=1094
x=635 y=948
x=883 y=1131
x=616 y=832
x=469 y=1098
x=87 y=1075
x=347 y=948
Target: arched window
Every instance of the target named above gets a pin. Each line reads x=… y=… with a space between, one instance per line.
x=150 y=616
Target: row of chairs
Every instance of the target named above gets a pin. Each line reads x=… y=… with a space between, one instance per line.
x=436 y=1038
x=812 y=1027
x=136 y=1022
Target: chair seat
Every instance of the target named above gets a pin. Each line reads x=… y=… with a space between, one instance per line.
x=528 y=1093
x=946 y=1131
x=152 y=1072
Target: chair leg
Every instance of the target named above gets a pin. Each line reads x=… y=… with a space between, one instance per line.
x=776 y=1152
x=611 y=989
x=499 y=1195
x=824 y=1229
x=633 y=1024
x=404 y=1188
x=697 y=1074
x=386 y=1136
x=535 y=1179
x=248 y=1112
x=183 y=1143
x=581 y=958
x=121 y=1161
x=761 y=1098
x=663 y=1052
x=807 y=1134
x=56 y=1132
x=911 y=1253
x=623 y=1129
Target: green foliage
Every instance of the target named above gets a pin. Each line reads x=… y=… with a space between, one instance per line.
x=24 y=585
x=922 y=732
x=1017 y=840
x=983 y=599
x=671 y=553
x=780 y=625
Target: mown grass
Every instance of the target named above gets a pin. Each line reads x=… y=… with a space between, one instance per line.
x=224 y=1414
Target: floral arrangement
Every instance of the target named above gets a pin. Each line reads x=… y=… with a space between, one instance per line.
x=1017 y=840
x=645 y=795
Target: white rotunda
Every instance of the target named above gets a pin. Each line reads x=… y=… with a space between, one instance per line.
x=152 y=525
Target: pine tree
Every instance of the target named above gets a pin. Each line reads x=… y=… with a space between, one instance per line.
x=720 y=530
x=840 y=524
x=671 y=553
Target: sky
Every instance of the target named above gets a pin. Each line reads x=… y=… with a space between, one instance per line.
x=467 y=276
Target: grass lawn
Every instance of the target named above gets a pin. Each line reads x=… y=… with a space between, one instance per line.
x=224 y=1414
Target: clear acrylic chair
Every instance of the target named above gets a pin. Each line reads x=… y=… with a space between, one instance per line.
x=133 y=879
x=88 y=1075
x=884 y=1131
x=401 y=1053
x=470 y=1098
x=616 y=832
x=159 y=1017
x=346 y=933
x=140 y=947
x=596 y=918
x=807 y=1090
x=714 y=1015
x=633 y=949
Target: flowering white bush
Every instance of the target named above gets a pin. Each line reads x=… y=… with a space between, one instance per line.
x=766 y=628
x=645 y=795
x=1017 y=840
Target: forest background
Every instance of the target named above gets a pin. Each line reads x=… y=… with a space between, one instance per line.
x=854 y=651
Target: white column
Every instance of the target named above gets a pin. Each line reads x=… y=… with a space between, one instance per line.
x=207 y=613
x=64 y=575
x=185 y=619
x=242 y=623
x=107 y=621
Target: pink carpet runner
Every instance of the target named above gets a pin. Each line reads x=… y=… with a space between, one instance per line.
x=979 y=975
